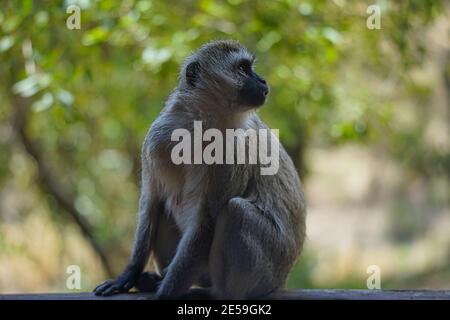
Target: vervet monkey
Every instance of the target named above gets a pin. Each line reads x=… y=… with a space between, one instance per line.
x=221 y=226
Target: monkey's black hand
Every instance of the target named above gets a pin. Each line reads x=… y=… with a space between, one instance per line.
x=123 y=283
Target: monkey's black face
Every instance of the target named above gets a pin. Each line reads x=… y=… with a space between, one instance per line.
x=223 y=71
x=254 y=89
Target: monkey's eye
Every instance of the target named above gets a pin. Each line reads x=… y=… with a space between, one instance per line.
x=245 y=66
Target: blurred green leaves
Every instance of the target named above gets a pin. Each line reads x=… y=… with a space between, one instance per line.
x=32 y=84
x=6 y=43
x=95 y=91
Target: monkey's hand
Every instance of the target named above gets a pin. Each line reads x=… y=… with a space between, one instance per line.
x=123 y=283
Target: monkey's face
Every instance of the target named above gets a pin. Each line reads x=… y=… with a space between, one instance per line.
x=253 y=89
x=222 y=72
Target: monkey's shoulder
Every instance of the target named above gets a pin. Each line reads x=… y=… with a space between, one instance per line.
x=159 y=136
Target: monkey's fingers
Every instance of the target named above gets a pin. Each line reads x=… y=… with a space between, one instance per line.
x=112 y=289
x=102 y=287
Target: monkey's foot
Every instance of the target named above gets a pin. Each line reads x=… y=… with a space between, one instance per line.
x=148 y=282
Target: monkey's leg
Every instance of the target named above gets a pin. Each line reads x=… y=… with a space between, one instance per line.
x=167 y=237
x=241 y=262
x=149 y=210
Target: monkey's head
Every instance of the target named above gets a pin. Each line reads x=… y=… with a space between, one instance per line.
x=223 y=71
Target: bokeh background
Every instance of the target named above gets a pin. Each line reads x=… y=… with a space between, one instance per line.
x=364 y=114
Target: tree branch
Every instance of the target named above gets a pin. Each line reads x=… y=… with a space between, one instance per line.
x=48 y=180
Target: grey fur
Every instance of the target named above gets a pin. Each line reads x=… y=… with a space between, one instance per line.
x=224 y=226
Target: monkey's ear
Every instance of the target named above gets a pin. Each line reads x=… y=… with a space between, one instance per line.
x=192 y=72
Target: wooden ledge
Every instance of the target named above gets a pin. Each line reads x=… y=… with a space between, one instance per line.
x=300 y=294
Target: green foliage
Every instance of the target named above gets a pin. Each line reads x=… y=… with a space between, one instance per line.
x=94 y=92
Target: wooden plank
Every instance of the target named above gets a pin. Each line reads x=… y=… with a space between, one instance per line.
x=75 y=296
x=333 y=294
x=300 y=294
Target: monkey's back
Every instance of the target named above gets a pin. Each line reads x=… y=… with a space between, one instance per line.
x=279 y=197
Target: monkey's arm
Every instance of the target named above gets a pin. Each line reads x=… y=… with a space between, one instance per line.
x=190 y=259
x=148 y=212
